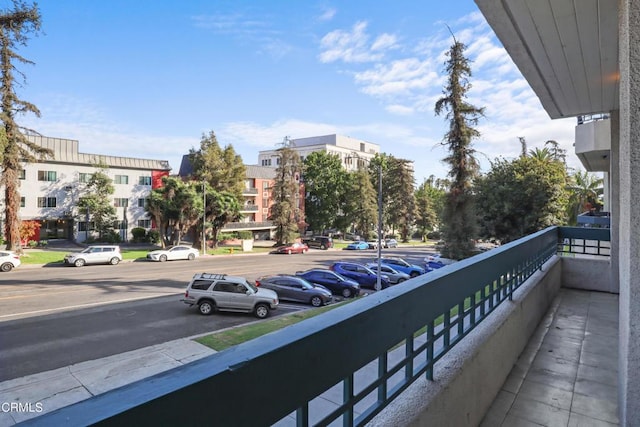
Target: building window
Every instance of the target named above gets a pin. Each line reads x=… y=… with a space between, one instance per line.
x=144 y=180
x=121 y=179
x=278 y=161
x=47 y=176
x=143 y=203
x=265 y=185
x=22 y=201
x=144 y=223
x=265 y=202
x=362 y=146
x=82 y=226
x=84 y=177
x=120 y=225
x=23 y=174
x=46 y=202
x=121 y=202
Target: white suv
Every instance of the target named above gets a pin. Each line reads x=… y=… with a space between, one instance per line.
x=212 y=292
x=103 y=254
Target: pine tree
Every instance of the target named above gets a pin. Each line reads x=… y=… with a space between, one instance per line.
x=285 y=211
x=459 y=221
x=15 y=26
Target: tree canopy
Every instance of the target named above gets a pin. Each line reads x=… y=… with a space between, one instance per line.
x=459 y=221
x=285 y=211
x=95 y=204
x=521 y=196
x=16 y=25
x=325 y=181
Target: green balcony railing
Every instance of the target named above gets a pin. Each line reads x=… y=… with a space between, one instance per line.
x=396 y=336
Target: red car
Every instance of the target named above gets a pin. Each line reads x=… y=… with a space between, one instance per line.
x=294 y=248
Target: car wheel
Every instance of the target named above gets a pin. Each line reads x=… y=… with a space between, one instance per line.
x=114 y=261
x=7 y=266
x=162 y=258
x=289 y=252
x=206 y=307
x=346 y=292
x=401 y=280
x=79 y=262
x=262 y=311
x=323 y=247
x=304 y=251
x=191 y=257
x=316 y=301
x=414 y=274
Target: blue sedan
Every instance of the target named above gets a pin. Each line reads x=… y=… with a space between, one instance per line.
x=359 y=245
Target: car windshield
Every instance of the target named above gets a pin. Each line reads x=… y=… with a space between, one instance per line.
x=251 y=286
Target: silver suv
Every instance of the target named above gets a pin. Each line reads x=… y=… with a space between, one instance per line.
x=212 y=292
x=102 y=254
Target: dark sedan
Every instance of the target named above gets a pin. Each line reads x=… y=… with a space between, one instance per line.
x=337 y=284
x=294 y=288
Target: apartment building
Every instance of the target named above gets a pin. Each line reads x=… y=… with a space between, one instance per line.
x=353 y=153
x=50 y=189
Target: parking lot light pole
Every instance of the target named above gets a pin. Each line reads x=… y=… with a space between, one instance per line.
x=378 y=278
x=204 y=217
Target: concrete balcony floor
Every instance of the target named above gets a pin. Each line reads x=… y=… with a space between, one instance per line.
x=567 y=374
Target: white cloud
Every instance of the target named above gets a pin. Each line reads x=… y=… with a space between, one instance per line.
x=353 y=46
x=401 y=110
x=327 y=14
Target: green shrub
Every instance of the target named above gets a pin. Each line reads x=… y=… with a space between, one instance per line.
x=226 y=236
x=153 y=236
x=111 y=236
x=139 y=234
x=32 y=243
x=43 y=243
x=245 y=235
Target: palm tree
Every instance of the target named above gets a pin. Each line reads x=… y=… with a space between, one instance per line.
x=586 y=190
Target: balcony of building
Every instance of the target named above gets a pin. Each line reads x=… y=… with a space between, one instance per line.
x=593 y=142
x=502 y=336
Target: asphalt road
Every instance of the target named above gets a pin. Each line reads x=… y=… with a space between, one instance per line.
x=52 y=317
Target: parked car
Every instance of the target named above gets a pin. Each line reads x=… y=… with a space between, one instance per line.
x=293 y=248
x=390 y=243
x=402 y=265
x=173 y=253
x=394 y=275
x=352 y=236
x=95 y=254
x=435 y=261
x=212 y=291
x=8 y=260
x=360 y=273
x=336 y=283
x=318 y=242
x=372 y=244
x=357 y=246
x=296 y=288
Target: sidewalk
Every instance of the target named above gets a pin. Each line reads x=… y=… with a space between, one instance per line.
x=34 y=395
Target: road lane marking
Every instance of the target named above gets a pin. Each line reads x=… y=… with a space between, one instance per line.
x=72 y=307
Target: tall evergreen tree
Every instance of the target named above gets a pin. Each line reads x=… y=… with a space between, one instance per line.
x=285 y=211
x=362 y=209
x=426 y=219
x=459 y=225
x=400 y=186
x=16 y=25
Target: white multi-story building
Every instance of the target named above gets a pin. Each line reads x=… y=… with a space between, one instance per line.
x=50 y=189
x=348 y=149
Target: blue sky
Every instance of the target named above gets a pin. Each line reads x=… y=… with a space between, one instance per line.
x=147 y=78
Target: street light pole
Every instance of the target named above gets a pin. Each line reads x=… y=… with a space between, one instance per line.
x=204 y=217
x=378 y=278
